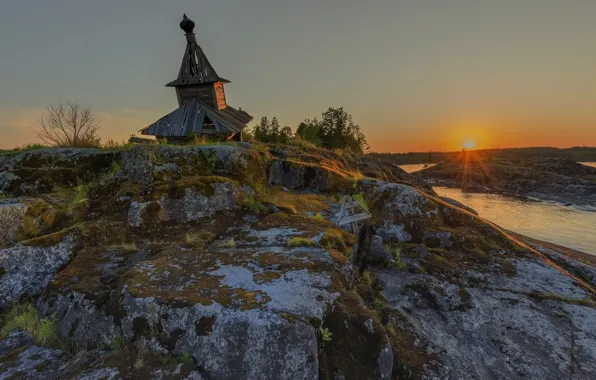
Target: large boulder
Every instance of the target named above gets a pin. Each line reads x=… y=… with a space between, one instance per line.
x=26 y=270
x=193 y=205
x=467 y=301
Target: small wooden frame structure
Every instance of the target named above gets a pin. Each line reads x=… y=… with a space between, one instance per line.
x=348 y=206
x=348 y=215
x=203 y=109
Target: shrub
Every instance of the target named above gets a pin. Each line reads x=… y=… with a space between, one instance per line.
x=300 y=242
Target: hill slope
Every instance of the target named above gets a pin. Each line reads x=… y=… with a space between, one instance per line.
x=224 y=262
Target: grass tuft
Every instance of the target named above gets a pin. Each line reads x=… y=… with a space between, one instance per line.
x=254 y=205
x=367 y=278
x=300 y=242
x=229 y=244
x=24 y=318
x=185 y=358
x=360 y=198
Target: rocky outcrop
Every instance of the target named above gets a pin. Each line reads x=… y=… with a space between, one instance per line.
x=474 y=306
x=549 y=179
x=22 y=359
x=223 y=262
x=192 y=206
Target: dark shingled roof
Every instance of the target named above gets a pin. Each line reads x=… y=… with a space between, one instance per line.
x=195 y=68
x=190 y=117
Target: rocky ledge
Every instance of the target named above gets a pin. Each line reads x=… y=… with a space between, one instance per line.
x=548 y=179
x=224 y=262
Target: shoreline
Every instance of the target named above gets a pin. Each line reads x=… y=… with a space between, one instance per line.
x=542 y=246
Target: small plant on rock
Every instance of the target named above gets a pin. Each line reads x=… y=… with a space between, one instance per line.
x=397 y=257
x=254 y=205
x=229 y=244
x=117 y=344
x=185 y=358
x=367 y=278
x=300 y=242
x=360 y=199
x=24 y=318
x=210 y=159
x=80 y=193
x=318 y=216
x=326 y=335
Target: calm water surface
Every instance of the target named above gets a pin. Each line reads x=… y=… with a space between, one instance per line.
x=566 y=226
x=414 y=167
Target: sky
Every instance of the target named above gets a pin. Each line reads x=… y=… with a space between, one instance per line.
x=416 y=75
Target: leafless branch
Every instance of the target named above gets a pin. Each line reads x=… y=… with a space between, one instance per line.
x=70 y=125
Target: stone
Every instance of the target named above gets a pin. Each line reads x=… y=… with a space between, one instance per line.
x=11 y=220
x=459 y=204
x=193 y=206
x=27 y=270
x=378 y=255
x=19 y=358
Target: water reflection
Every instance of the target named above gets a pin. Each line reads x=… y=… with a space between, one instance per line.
x=567 y=226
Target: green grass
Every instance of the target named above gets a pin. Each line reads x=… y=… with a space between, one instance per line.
x=6 y=195
x=367 y=278
x=318 y=216
x=210 y=159
x=254 y=205
x=126 y=247
x=360 y=198
x=21 y=149
x=117 y=344
x=397 y=257
x=300 y=242
x=24 y=318
x=229 y=244
x=116 y=166
x=185 y=358
x=80 y=193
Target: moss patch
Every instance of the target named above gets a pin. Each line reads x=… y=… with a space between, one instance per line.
x=352 y=348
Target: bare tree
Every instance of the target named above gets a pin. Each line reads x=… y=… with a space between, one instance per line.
x=70 y=125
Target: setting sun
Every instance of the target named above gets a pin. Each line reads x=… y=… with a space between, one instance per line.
x=469 y=145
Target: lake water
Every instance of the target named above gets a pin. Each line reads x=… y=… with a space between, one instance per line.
x=554 y=223
x=567 y=226
x=414 y=167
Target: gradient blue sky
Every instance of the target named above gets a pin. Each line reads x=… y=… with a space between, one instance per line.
x=415 y=75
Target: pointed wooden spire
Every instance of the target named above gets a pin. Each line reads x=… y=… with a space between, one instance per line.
x=195 y=67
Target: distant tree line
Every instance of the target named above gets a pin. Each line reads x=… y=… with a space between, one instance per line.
x=335 y=130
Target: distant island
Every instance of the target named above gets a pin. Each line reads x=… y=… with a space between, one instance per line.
x=550 y=179
x=579 y=154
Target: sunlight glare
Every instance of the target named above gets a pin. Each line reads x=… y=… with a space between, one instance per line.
x=469 y=145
